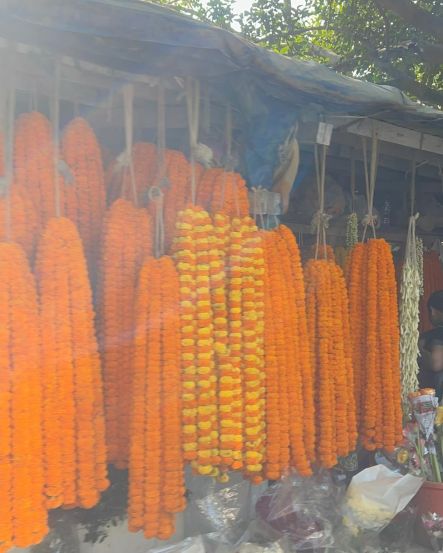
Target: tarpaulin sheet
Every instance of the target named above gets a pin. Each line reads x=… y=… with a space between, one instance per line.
x=140 y=37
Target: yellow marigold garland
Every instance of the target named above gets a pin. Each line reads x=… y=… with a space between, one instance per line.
x=252 y=349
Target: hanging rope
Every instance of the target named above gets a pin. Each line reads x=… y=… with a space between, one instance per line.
x=128 y=108
x=193 y=111
x=156 y=197
x=370 y=171
x=320 y=221
x=56 y=137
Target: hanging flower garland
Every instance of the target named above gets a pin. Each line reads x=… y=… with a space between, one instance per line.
x=34 y=170
x=22 y=222
x=230 y=441
x=375 y=336
x=207 y=459
x=127 y=241
x=156 y=468
x=234 y=273
x=276 y=424
x=252 y=298
x=73 y=419
x=184 y=251
x=85 y=196
x=118 y=178
x=23 y=516
x=327 y=313
x=296 y=278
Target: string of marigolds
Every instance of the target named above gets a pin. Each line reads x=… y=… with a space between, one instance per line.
x=126 y=242
x=156 y=472
x=375 y=336
x=328 y=323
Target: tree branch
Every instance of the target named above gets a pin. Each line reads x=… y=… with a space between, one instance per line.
x=415 y=16
x=403 y=81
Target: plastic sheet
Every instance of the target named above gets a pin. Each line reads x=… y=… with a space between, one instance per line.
x=189 y=545
x=304 y=510
x=375 y=496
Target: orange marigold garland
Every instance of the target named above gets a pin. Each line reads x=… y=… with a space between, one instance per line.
x=85 y=196
x=327 y=313
x=127 y=240
x=273 y=467
x=34 y=169
x=22 y=222
x=300 y=432
x=156 y=471
x=118 y=177
x=23 y=516
x=304 y=352
x=374 y=315
x=73 y=419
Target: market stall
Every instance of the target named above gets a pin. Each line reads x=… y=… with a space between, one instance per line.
x=211 y=266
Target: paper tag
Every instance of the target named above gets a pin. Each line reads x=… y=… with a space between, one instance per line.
x=324 y=133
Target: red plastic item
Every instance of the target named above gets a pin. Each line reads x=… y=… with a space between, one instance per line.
x=430 y=499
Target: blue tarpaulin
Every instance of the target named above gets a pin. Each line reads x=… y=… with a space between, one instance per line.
x=268 y=89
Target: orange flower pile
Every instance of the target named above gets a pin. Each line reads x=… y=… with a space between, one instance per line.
x=375 y=337
x=73 y=420
x=23 y=515
x=85 y=196
x=289 y=400
x=156 y=466
x=127 y=240
x=34 y=169
x=328 y=324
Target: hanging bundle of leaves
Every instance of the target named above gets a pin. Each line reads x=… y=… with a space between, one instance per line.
x=23 y=515
x=410 y=315
x=85 y=195
x=127 y=241
x=156 y=467
x=74 y=450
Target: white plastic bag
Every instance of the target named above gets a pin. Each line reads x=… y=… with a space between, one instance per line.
x=189 y=545
x=375 y=496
